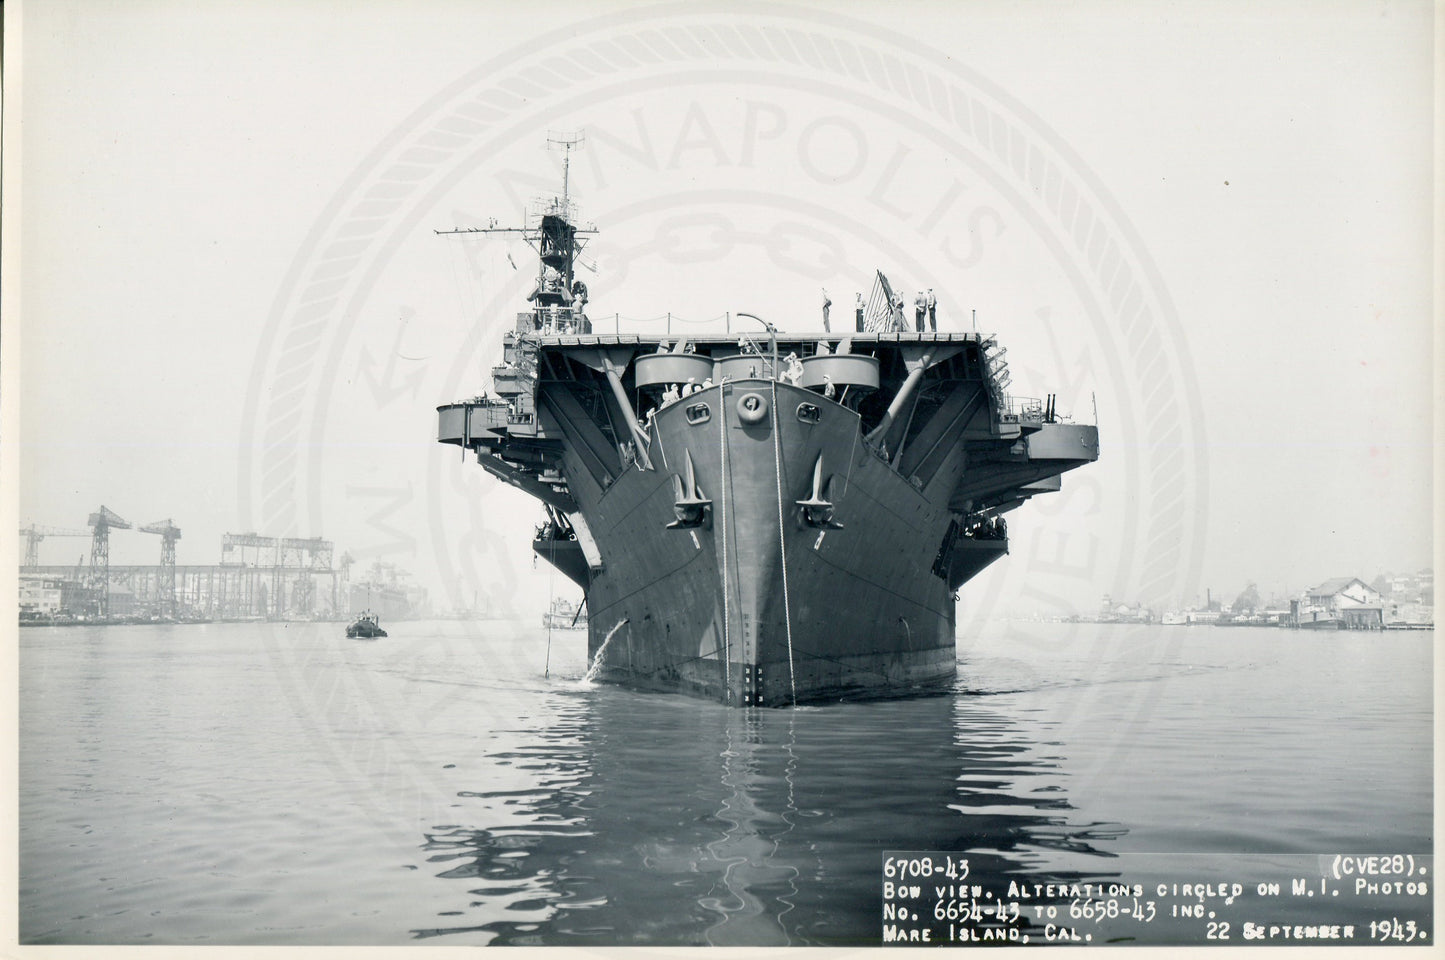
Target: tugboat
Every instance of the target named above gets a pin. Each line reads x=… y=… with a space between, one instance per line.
x=366 y=627
x=760 y=520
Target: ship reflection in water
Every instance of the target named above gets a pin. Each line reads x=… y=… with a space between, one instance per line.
x=659 y=821
x=441 y=788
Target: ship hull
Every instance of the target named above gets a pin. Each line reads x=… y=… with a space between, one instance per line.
x=756 y=605
x=771 y=538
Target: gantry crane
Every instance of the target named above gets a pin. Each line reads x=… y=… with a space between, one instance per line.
x=169 y=534
x=101 y=523
x=35 y=533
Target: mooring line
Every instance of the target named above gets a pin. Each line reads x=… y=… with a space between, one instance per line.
x=782 y=540
x=722 y=440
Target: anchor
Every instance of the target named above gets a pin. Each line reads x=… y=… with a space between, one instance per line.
x=690 y=507
x=818 y=512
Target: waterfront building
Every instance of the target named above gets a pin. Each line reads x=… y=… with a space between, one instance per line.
x=1343 y=603
x=49 y=597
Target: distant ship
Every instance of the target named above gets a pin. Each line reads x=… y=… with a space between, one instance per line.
x=759 y=520
x=382 y=590
x=562 y=615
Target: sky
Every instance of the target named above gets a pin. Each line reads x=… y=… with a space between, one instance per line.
x=1205 y=226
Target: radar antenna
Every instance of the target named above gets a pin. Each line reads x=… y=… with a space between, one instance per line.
x=566 y=141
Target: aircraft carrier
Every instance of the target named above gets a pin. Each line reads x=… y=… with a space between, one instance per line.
x=764 y=518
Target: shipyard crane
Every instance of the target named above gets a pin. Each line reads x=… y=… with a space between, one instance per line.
x=169 y=534
x=101 y=523
x=35 y=533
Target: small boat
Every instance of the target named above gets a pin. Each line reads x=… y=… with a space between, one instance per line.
x=366 y=627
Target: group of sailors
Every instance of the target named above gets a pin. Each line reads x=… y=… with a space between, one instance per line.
x=925 y=308
x=551 y=530
x=988 y=528
x=559 y=309
x=559 y=320
x=792 y=373
x=674 y=392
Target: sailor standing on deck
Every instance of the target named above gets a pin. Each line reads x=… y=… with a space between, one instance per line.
x=920 y=307
x=858 y=313
x=827 y=302
x=794 y=370
x=932 y=311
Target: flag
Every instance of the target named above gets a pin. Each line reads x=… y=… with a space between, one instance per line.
x=879 y=314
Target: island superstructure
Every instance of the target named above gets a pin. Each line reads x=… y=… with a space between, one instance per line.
x=760 y=518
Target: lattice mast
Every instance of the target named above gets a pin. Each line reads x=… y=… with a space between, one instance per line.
x=559 y=244
x=552 y=230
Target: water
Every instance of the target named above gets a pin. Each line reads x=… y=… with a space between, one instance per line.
x=597 y=658
x=254 y=783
